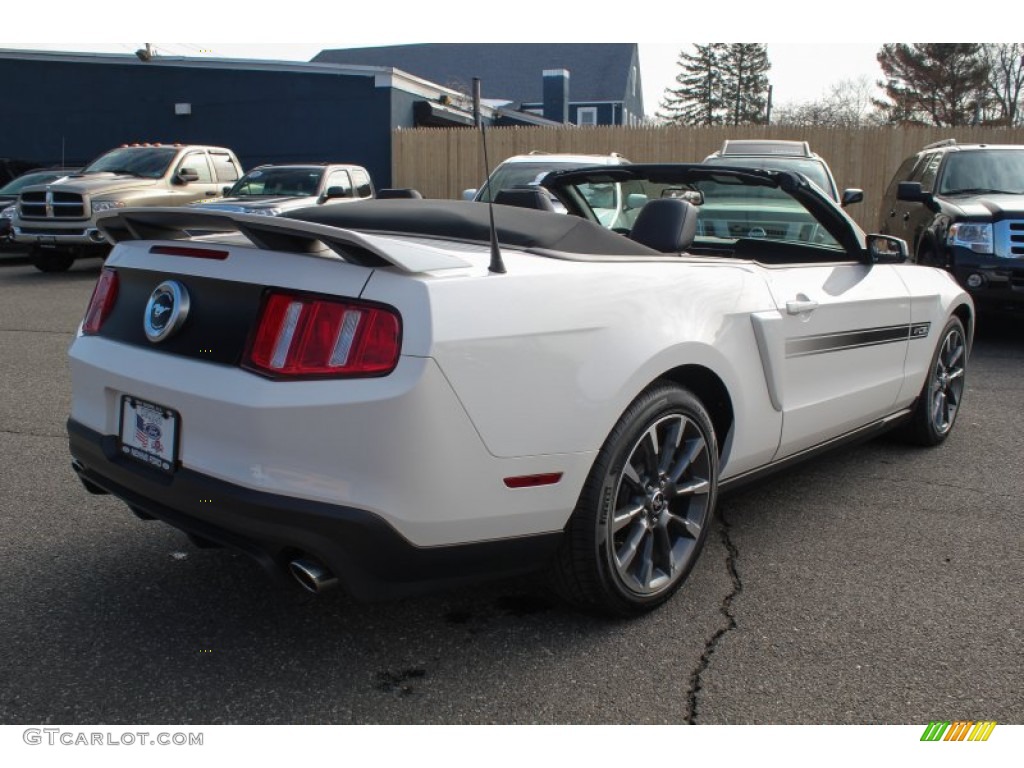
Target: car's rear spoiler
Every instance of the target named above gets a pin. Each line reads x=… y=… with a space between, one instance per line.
x=276 y=234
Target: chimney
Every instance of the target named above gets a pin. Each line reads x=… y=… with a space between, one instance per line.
x=556 y=95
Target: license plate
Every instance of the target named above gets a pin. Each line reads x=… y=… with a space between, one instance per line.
x=149 y=433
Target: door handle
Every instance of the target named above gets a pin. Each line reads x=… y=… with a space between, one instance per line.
x=799 y=306
x=892 y=213
x=906 y=217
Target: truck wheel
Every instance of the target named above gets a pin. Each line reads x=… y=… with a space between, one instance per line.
x=51 y=261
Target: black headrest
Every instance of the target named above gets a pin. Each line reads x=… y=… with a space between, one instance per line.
x=525 y=197
x=399 y=194
x=667 y=224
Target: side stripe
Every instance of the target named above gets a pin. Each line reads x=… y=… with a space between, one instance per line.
x=824 y=343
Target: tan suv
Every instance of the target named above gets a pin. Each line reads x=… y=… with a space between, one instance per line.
x=57 y=222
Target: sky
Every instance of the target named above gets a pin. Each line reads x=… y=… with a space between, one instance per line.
x=801 y=70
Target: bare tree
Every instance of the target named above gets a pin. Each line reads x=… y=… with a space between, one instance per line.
x=1005 y=82
x=846 y=104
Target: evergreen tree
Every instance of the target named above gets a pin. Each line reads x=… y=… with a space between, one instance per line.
x=745 y=83
x=699 y=98
x=942 y=84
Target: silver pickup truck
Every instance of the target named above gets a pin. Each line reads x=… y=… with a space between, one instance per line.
x=56 y=222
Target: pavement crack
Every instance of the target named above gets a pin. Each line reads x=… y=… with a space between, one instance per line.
x=731 y=558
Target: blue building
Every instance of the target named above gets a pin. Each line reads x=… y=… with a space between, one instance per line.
x=579 y=83
x=67 y=108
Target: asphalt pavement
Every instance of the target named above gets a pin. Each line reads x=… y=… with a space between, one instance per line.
x=880 y=584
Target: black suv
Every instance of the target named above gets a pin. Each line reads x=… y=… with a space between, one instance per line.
x=961 y=207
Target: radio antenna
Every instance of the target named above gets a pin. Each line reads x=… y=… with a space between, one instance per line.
x=497 y=266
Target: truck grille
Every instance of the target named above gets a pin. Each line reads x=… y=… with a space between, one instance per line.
x=52 y=205
x=1009 y=237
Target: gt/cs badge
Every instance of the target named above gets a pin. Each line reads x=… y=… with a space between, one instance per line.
x=166 y=310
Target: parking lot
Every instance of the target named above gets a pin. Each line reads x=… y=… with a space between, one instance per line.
x=880 y=584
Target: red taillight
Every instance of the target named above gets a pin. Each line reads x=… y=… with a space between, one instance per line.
x=194 y=253
x=103 y=297
x=302 y=335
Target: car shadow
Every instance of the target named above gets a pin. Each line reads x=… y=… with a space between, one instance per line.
x=145 y=628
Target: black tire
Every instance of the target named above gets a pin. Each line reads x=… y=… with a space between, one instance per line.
x=645 y=510
x=51 y=261
x=939 y=402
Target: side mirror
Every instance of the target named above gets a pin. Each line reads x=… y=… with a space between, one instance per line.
x=635 y=200
x=334 y=192
x=468 y=194
x=224 y=191
x=911 y=192
x=851 y=196
x=187 y=175
x=884 y=249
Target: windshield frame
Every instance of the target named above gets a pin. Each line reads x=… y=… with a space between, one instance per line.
x=825 y=211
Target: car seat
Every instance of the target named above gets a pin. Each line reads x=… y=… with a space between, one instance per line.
x=666 y=224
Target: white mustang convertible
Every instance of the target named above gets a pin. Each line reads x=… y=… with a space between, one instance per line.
x=407 y=393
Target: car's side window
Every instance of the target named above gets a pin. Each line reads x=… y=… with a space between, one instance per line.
x=904 y=173
x=224 y=166
x=340 y=179
x=930 y=171
x=362 y=182
x=197 y=162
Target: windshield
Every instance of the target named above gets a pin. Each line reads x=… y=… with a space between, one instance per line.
x=978 y=172
x=605 y=200
x=734 y=210
x=278 y=182
x=146 y=162
x=519 y=175
x=13 y=187
x=812 y=169
x=729 y=210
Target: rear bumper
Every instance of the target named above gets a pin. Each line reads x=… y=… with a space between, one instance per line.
x=371 y=559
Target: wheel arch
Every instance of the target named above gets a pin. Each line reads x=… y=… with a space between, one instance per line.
x=966 y=315
x=711 y=391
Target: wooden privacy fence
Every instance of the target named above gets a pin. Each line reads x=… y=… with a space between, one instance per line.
x=441 y=162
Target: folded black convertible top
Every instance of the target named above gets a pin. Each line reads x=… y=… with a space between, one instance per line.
x=461 y=220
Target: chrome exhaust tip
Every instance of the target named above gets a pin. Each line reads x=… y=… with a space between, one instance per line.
x=312 y=575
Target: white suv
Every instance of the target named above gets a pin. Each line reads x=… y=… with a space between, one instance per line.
x=607 y=200
x=783 y=156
